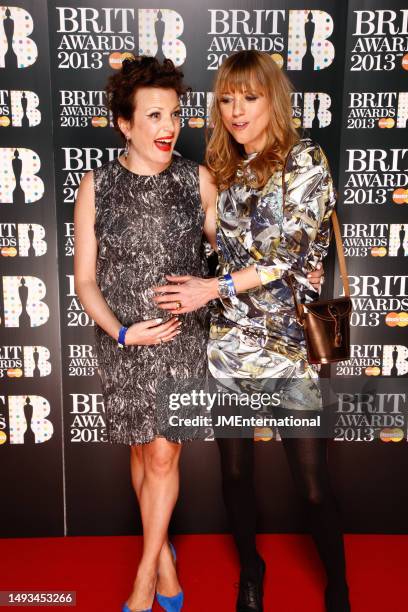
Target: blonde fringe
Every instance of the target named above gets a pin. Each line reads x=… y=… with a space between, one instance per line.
x=224 y=156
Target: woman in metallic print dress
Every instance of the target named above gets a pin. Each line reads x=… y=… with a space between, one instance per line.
x=254 y=334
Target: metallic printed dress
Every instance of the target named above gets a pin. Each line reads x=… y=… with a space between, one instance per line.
x=255 y=335
x=146 y=227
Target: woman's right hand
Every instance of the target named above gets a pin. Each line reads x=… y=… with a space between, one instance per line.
x=152 y=331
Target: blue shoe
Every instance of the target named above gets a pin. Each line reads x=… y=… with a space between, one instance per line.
x=162 y=597
x=175 y=603
x=171 y=604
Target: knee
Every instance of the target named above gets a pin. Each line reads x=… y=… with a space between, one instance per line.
x=161 y=464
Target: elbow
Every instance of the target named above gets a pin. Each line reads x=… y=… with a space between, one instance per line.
x=81 y=285
x=78 y=288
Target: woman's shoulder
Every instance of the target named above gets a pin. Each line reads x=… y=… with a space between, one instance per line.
x=105 y=172
x=305 y=154
x=185 y=172
x=183 y=163
x=106 y=176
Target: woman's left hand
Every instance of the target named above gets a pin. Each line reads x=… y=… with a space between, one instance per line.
x=185 y=293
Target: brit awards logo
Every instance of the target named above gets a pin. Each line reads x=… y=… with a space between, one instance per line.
x=19 y=109
x=311 y=109
x=22 y=240
x=381 y=41
x=159 y=34
x=17 y=49
x=376 y=176
x=91 y=38
x=390 y=360
x=19 y=180
x=379 y=299
x=375 y=239
x=364 y=417
x=82 y=360
x=24 y=361
x=77 y=161
x=195 y=109
x=23 y=303
x=87 y=418
x=83 y=108
x=76 y=315
x=369 y=110
x=23 y=419
x=295 y=38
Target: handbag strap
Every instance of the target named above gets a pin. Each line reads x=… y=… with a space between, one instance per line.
x=340 y=253
x=339 y=246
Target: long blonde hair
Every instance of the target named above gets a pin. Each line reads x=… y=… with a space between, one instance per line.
x=257 y=71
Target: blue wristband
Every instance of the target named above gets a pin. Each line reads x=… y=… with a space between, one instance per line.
x=121 y=337
x=226 y=287
x=230 y=283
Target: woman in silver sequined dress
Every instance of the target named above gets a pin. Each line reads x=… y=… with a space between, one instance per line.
x=255 y=337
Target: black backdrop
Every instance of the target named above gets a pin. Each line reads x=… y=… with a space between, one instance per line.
x=349 y=64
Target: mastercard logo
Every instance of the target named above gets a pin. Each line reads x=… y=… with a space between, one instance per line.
x=4 y=121
x=373 y=371
x=116 y=58
x=391 y=434
x=14 y=372
x=386 y=122
x=278 y=59
x=8 y=251
x=400 y=196
x=3 y=437
x=394 y=319
x=404 y=61
x=378 y=251
x=196 y=122
x=263 y=434
x=99 y=121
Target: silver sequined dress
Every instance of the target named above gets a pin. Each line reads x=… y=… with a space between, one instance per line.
x=146 y=227
x=255 y=335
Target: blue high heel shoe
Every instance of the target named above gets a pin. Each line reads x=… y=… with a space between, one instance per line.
x=171 y=604
x=175 y=603
x=127 y=609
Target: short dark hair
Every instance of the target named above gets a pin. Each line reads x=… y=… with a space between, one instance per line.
x=142 y=71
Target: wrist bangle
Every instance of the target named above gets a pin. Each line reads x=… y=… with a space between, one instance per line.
x=121 y=336
x=226 y=287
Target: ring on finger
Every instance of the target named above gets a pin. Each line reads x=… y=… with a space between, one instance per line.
x=178 y=305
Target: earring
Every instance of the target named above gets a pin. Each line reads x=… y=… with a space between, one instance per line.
x=126 y=153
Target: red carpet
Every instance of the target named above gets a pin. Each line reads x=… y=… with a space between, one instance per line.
x=101 y=570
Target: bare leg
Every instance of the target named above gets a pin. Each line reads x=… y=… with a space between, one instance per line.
x=136 y=468
x=167 y=581
x=158 y=494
